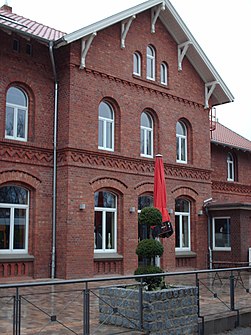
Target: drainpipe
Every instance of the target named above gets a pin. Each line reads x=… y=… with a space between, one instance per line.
x=209 y=238
x=54 y=195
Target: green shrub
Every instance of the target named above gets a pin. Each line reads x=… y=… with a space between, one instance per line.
x=149 y=248
x=150 y=216
x=152 y=282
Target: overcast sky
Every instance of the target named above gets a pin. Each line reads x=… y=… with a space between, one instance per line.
x=221 y=27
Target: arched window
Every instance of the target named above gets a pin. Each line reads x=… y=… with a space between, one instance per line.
x=16 y=114
x=150 y=63
x=146 y=135
x=230 y=167
x=182 y=225
x=144 y=200
x=14 y=204
x=137 y=64
x=105 y=223
x=106 y=126
x=163 y=74
x=181 y=142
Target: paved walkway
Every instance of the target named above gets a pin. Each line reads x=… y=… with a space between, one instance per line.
x=58 y=310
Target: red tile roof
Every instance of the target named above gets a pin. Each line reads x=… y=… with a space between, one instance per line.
x=223 y=135
x=16 y=22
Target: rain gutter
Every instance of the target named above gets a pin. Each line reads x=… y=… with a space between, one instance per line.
x=54 y=195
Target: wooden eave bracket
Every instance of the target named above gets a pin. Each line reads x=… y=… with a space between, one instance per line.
x=85 y=45
x=182 y=49
x=125 y=26
x=209 y=88
x=155 y=14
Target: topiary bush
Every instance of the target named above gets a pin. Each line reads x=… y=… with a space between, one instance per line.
x=149 y=248
x=151 y=282
x=150 y=216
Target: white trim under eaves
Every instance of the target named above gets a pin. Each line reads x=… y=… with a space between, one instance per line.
x=107 y=22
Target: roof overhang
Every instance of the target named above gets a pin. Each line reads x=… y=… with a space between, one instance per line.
x=229 y=206
x=180 y=33
x=230 y=146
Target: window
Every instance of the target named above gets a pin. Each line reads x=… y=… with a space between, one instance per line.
x=181 y=143
x=14 y=204
x=163 y=74
x=146 y=135
x=230 y=167
x=105 y=224
x=182 y=225
x=16 y=114
x=137 y=64
x=221 y=234
x=150 y=63
x=106 y=126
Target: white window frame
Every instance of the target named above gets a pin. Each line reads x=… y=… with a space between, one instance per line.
x=181 y=215
x=146 y=131
x=12 y=208
x=179 y=138
x=150 y=72
x=163 y=74
x=15 y=108
x=230 y=167
x=105 y=210
x=137 y=64
x=105 y=121
x=213 y=233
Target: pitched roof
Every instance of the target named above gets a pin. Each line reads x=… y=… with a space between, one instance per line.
x=169 y=18
x=226 y=137
x=18 y=23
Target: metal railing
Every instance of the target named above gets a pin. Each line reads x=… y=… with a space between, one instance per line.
x=72 y=306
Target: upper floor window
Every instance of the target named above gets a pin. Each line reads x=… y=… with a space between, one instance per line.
x=163 y=74
x=230 y=167
x=221 y=234
x=16 y=114
x=14 y=204
x=137 y=64
x=106 y=126
x=150 y=63
x=182 y=225
x=105 y=222
x=181 y=143
x=146 y=135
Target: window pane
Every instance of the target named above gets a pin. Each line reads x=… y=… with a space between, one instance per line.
x=105 y=110
x=181 y=205
x=183 y=149
x=109 y=135
x=19 y=228
x=16 y=96
x=109 y=230
x=222 y=233
x=142 y=141
x=136 y=63
x=149 y=68
x=180 y=129
x=21 y=124
x=4 y=228
x=185 y=232
x=145 y=120
x=149 y=143
x=145 y=201
x=13 y=195
x=9 y=121
x=177 y=231
x=177 y=148
x=105 y=199
x=100 y=133
x=98 y=230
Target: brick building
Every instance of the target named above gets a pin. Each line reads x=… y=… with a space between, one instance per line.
x=83 y=116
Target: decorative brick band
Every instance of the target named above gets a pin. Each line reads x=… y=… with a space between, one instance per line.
x=19 y=176
x=218 y=186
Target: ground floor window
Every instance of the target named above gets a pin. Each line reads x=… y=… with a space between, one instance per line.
x=144 y=200
x=221 y=233
x=14 y=219
x=182 y=225
x=105 y=222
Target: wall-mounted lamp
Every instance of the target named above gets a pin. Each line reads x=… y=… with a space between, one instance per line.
x=82 y=207
x=200 y=212
x=132 y=210
x=170 y=211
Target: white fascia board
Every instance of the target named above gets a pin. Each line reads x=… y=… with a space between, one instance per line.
x=198 y=49
x=107 y=22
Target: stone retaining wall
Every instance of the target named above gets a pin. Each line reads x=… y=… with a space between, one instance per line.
x=170 y=311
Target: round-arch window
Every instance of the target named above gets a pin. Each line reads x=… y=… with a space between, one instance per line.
x=146 y=135
x=106 y=126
